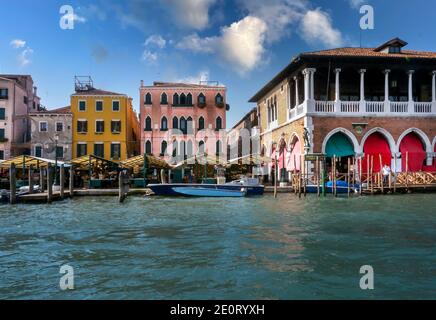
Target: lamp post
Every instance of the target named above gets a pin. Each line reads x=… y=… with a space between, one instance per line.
x=56 y=137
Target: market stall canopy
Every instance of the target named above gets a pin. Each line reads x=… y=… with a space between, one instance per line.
x=27 y=161
x=252 y=159
x=86 y=161
x=138 y=161
x=211 y=159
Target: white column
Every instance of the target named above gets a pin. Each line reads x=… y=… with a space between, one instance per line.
x=410 y=73
x=362 y=84
x=386 y=72
x=433 y=86
x=337 y=89
x=296 y=92
x=306 y=74
x=312 y=84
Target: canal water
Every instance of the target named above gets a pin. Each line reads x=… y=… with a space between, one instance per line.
x=253 y=248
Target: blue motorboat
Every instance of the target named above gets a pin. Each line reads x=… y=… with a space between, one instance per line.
x=209 y=192
x=341 y=187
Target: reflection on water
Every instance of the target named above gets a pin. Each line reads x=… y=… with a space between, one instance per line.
x=254 y=248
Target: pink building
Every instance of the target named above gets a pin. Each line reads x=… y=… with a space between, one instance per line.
x=187 y=107
x=18 y=97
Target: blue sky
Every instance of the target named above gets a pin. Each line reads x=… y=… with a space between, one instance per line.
x=240 y=43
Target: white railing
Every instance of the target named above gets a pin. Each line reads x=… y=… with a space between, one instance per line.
x=300 y=109
x=350 y=106
x=375 y=106
x=292 y=113
x=423 y=107
x=399 y=107
x=324 y=106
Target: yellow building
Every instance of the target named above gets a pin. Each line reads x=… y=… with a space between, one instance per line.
x=104 y=124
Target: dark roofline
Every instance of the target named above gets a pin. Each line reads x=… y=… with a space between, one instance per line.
x=254 y=109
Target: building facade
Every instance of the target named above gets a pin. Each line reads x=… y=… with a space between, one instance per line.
x=18 y=97
x=190 y=108
x=243 y=138
x=104 y=123
x=353 y=102
x=52 y=134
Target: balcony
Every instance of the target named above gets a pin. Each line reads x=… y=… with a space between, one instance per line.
x=364 y=108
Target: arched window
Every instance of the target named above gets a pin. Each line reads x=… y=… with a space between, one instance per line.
x=201 y=147
x=183 y=125
x=201 y=123
x=183 y=99
x=175 y=123
x=189 y=99
x=164 y=98
x=218 y=123
x=148 y=98
x=201 y=99
x=219 y=99
x=176 y=99
x=164 y=124
x=182 y=149
x=218 y=147
x=148 y=124
x=175 y=147
x=190 y=149
x=163 y=148
x=148 y=147
x=190 y=125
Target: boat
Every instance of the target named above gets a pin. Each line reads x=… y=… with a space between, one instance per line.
x=209 y=192
x=252 y=187
x=341 y=188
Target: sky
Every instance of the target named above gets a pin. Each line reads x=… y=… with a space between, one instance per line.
x=241 y=44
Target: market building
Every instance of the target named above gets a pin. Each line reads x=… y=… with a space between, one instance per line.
x=18 y=97
x=104 y=123
x=353 y=102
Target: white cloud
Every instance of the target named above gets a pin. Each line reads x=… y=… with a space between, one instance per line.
x=193 y=14
x=201 y=76
x=316 y=26
x=17 y=43
x=24 y=57
x=356 y=4
x=241 y=44
x=156 y=40
x=149 y=57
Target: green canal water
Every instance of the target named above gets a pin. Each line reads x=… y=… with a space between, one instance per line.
x=254 y=248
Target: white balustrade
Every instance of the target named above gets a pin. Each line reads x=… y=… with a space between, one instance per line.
x=422 y=107
x=350 y=106
x=399 y=107
x=375 y=106
x=324 y=106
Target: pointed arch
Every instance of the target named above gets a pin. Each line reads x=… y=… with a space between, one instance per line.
x=163 y=148
x=218 y=123
x=348 y=134
x=147 y=125
x=182 y=99
x=176 y=100
x=164 y=124
x=175 y=123
x=201 y=125
x=189 y=99
x=421 y=134
x=219 y=99
x=385 y=133
x=183 y=126
x=201 y=99
x=147 y=99
x=163 y=98
x=148 y=147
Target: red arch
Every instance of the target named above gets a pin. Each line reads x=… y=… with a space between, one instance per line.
x=376 y=145
x=413 y=146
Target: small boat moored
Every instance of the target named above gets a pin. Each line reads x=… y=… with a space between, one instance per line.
x=209 y=192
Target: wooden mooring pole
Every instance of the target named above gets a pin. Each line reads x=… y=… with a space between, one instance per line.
x=41 y=180
x=275 y=175
x=49 y=183
x=30 y=179
x=71 y=184
x=123 y=183
x=348 y=176
x=62 y=181
x=13 y=184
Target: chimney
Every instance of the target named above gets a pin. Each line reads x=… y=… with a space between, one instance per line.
x=142 y=83
x=35 y=91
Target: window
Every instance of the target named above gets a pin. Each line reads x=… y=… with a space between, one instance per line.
x=116 y=126
x=99 y=126
x=43 y=126
x=164 y=124
x=115 y=106
x=218 y=147
x=82 y=149
x=99 y=106
x=4 y=93
x=189 y=99
x=99 y=150
x=115 y=151
x=25 y=100
x=201 y=99
x=82 y=126
x=82 y=105
x=148 y=147
x=190 y=149
x=175 y=123
x=175 y=99
x=201 y=123
x=394 y=50
x=38 y=151
x=59 y=152
x=182 y=99
x=218 y=123
x=2 y=134
x=190 y=125
x=183 y=125
x=2 y=155
x=148 y=98
x=164 y=98
x=2 y=113
x=175 y=147
x=219 y=99
x=148 y=124
x=59 y=126
x=201 y=147
x=163 y=148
